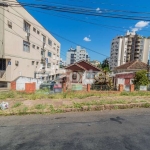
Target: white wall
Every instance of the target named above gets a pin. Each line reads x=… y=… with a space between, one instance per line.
x=86 y=81
x=20 y=83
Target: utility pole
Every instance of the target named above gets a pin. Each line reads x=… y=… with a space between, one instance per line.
x=148 y=70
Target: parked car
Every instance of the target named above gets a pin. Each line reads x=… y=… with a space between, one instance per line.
x=48 y=85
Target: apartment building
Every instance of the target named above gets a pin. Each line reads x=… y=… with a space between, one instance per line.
x=95 y=62
x=26 y=47
x=75 y=55
x=128 y=48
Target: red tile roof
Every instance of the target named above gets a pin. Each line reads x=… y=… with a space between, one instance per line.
x=133 y=65
x=84 y=65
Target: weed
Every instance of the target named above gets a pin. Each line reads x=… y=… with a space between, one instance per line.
x=147 y=105
x=115 y=107
x=40 y=106
x=77 y=105
x=17 y=104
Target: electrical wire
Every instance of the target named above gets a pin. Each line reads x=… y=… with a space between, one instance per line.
x=82 y=11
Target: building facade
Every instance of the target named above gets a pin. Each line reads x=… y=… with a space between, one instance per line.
x=95 y=62
x=26 y=47
x=75 y=55
x=128 y=48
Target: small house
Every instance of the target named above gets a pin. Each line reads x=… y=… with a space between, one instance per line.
x=125 y=74
x=82 y=72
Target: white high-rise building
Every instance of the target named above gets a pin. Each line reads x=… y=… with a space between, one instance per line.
x=75 y=55
x=128 y=48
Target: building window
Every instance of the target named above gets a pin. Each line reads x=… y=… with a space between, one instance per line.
x=37 y=63
x=42 y=52
x=49 y=42
x=33 y=46
x=34 y=29
x=32 y=62
x=26 y=46
x=26 y=27
x=9 y=24
x=38 y=32
x=44 y=38
x=74 y=76
x=48 y=65
x=72 y=55
x=37 y=47
x=49 y=54
x=90 y=75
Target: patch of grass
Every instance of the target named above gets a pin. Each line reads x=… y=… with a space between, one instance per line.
x=115 y=107
x=40 y=106
x=147 y=105
x=17 y=104
x=138 y=93
x=78 y=105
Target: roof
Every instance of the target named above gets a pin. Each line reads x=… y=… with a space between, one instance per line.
x=133 y=65
x=83 y=65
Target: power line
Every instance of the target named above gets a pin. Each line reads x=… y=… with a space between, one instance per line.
x=79 y=10
x=71 y=41
x=72 y=18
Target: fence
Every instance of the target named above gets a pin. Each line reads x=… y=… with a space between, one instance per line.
x=142 y=88
x=103 y=88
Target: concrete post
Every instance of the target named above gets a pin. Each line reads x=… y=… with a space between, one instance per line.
x=88 y=87
x=64 y=87
x=132 y=88
x=120 y=88
x=13 y=85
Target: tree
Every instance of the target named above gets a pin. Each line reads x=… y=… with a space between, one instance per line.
x=99 y=66
x=141 y=78
x=105 y=65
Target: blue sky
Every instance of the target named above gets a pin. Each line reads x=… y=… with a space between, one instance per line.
x=98 y=36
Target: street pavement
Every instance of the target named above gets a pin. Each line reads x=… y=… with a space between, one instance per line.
x=102 y=130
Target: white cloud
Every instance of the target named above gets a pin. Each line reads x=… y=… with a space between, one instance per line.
x=140 y=25
x=87 y=39
x=98 y=10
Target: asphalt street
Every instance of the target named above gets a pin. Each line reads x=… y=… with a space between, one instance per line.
x=102 y=130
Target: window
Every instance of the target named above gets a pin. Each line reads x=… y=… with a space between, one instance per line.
x=48 y=65
x=37 y=47
x=49 y=54
x=32 y=62
x=9 y=24
x=74 y=76
x=90 y=75
x=26 y=46
x=38 y=32
x=33 y=46
x=72 y=55
x=44 y=38
x=42 y=52
x=37 y=63
x=49 y=42
x=26 y=27
x=34 y=29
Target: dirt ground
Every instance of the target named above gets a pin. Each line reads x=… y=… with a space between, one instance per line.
x=59 y=103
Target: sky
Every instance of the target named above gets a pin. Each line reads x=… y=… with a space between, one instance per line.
x=92 y=36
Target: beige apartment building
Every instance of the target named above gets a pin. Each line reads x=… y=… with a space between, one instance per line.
x=26 y=48
x=129 y=48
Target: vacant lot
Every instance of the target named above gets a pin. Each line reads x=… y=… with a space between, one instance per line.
x=43 y=102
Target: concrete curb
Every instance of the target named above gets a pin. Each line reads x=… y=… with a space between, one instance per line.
x=82 y=109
